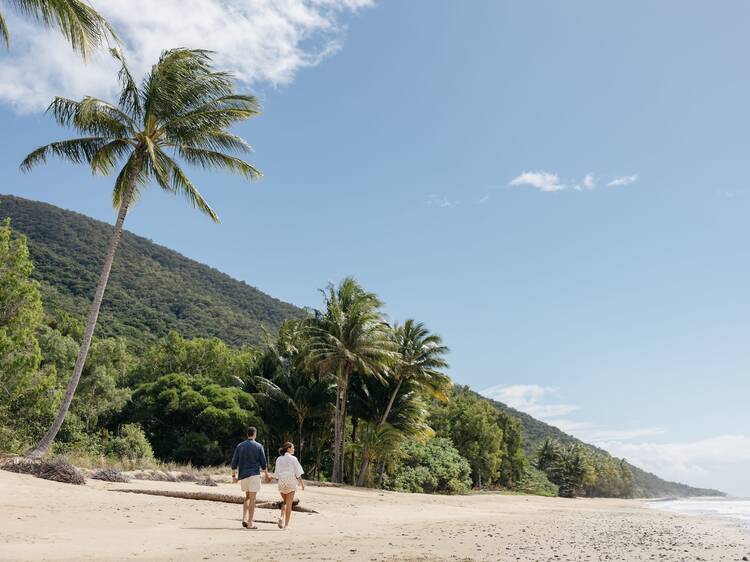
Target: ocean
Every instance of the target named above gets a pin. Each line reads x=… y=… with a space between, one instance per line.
x=734 y=508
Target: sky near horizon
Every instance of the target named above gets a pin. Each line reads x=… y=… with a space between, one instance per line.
x=559 y=189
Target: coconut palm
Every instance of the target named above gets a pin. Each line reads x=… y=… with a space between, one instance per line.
x=181 y=111
x=348 y=334
x=78 y=22
x=279 y=377
x=420 y=358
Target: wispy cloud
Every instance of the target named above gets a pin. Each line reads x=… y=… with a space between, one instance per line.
x=529 y=398
x=623 y=180
x=261 y=41
x=482 y=200
x=551 y=182
x=544 y=181
x=441 y=201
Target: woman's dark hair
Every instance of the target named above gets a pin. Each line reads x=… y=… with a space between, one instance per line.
x=285 y=447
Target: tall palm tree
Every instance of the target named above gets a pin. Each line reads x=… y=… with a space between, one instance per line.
x=182 y=107
x=280 y=377
x=78 y=22
x=420 y=358
x=348 y=334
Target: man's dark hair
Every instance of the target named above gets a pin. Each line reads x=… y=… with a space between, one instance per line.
x=251 y=431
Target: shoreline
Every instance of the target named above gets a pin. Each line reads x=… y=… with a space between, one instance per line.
x=52 y=521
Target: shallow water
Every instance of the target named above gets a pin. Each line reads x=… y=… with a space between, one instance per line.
x=734 y=508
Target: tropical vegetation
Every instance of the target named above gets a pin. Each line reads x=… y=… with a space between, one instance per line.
x=181 y=111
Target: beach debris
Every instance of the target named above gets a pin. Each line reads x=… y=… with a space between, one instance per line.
x=214 y=497
x=207 y=481
x=111 y=475
x=56 y=469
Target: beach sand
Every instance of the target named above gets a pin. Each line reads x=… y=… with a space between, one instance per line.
x=42 y=520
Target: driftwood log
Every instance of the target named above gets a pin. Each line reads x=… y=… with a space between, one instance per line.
x=213 y=497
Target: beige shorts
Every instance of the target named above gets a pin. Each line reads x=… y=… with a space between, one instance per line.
x=250 y=484
x=287 y=483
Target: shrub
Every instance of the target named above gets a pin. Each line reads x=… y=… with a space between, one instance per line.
x=431 y=467
x=131 y=443
x=535 y=481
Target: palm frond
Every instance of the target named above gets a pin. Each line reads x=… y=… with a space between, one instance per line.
x=130 y=97
x=78 y=151
x=107 y=157
x=213 y=159
x=4 y=33
x=181 y=184
x=84 y=28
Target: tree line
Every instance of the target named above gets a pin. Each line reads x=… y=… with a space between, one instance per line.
x=366 y=402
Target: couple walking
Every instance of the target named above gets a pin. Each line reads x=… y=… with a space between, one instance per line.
x=250 y=458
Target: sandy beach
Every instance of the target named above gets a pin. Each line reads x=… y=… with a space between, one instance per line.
x=43 y=520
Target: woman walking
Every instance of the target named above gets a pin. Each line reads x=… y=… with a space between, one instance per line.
x=289 y=473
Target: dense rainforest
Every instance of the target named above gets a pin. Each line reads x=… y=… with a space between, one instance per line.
x=185 y=358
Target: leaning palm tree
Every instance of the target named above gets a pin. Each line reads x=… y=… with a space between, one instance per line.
x=348 y=334
x=181 y=111
x=420 y=358
x=81 y=25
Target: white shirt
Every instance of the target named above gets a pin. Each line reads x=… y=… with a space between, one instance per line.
x=288 y=464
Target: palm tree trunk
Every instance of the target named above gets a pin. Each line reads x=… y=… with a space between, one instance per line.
x=339 y=426
x=365 y=460
x=299 y=437
x=354 y=440
x=41 y=448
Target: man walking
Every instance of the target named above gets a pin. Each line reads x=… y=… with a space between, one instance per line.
x=250 y=458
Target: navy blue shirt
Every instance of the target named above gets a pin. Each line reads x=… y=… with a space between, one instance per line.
x=250 y=458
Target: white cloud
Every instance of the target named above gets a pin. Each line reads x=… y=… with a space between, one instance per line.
x=260 y=41
x=482 y=200
x=588 y=182
x=591 y=433
x=623 y=180
x=715 y=462
x=441 y=201
x=544 y=181
x=529 y=398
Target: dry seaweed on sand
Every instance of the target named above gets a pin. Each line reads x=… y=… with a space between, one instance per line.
x=207 y=481
x=110 y=475
x=58 y=469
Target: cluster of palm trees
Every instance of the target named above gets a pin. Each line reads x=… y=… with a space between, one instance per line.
x=347 y=363
x=180 y=112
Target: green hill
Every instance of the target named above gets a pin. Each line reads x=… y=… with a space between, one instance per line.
x=152 y=289
x=646 y=485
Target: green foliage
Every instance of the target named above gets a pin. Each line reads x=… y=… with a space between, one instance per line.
x=27 y=393
x=434 y=466
x=151 y=291
x=192 y=419
x=81 y=25
x=483 y=435
x=130 y=443
x=209 y=358
x=535 y=481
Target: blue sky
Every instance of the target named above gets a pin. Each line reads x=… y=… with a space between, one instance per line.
x=390 y=141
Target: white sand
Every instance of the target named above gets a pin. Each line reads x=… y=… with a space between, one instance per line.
x=42 y=520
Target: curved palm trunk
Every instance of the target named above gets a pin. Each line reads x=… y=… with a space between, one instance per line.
x=365 y=459
x=41 y=448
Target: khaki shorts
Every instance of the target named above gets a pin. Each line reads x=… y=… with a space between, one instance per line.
x=250 y=484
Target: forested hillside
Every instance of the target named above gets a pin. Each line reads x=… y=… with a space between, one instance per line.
x=152 y=290
x=645 y=484
x=158 y=302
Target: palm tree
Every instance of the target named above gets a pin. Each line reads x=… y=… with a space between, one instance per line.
x=348 y=334
x=182 y=106
x=279 y=377
x=420 y=358
x=78 y=22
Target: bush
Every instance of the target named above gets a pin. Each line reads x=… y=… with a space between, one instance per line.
x=131 y=443
x=431 y=467
x=535 y=481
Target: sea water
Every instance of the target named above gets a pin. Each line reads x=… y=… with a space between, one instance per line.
x=734 y=508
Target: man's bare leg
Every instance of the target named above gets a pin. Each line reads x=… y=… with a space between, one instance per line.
x=249 y=508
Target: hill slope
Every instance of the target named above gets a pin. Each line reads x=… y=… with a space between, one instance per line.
x=152 y=289
x=647 y=485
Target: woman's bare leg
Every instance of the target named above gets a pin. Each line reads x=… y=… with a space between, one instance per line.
x=289 y=500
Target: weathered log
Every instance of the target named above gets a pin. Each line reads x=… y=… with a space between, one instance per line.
x=213 y=497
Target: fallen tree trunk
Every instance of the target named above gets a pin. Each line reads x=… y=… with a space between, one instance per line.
x=213 y=497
